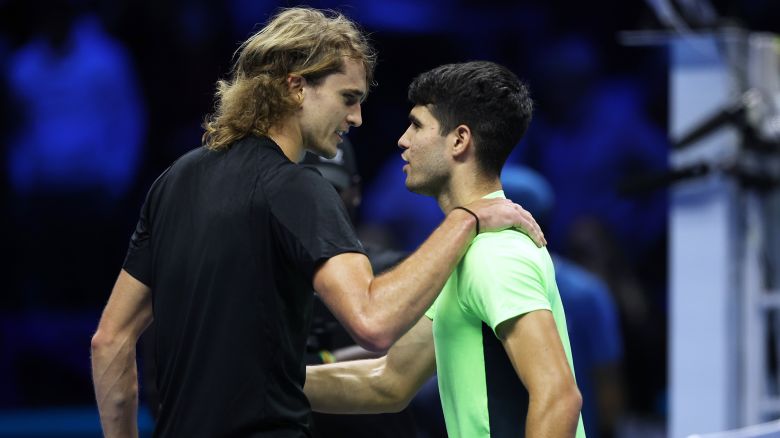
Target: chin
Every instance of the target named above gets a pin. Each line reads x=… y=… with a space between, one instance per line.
x=324 y=151
x=413 y=188
x=332 y=150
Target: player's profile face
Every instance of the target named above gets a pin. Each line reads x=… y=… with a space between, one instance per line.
x=330 y=108
x=425 y=152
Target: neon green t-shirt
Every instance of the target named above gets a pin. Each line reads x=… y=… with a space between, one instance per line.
x=502 y=275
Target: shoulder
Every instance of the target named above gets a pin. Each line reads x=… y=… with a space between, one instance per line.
x=298 y=189
x=291 y=180
x=275 y=173
x=506 y=257
x=182 y=166
x=508 y=245
x=192 y=156
x=503 y=275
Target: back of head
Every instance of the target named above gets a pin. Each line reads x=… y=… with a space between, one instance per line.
x=297 y=41
x=486 y=97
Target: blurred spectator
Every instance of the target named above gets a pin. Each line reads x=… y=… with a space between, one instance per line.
x=83 y=123
x=72 y=155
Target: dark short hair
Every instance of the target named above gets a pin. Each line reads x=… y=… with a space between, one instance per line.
x=483 y=95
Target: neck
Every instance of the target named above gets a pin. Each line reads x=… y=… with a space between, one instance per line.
x=464 y=187
x=289 y=140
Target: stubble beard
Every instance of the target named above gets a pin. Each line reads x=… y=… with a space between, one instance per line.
x=432 y=186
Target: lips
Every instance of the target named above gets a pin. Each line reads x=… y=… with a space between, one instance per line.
x=406 y=163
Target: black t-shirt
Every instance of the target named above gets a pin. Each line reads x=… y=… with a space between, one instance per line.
x=228 y=242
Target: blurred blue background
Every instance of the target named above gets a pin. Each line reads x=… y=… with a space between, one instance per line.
x=99 y=97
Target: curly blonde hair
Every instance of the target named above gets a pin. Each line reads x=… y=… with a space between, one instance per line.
x=299 y=41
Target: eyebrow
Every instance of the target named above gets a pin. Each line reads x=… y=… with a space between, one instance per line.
x=359 y=94
x=414 y=120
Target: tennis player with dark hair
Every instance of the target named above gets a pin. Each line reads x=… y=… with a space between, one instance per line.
x=496 y=335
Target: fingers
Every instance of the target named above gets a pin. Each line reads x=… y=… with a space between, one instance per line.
x=494 y=214
x=529 y=226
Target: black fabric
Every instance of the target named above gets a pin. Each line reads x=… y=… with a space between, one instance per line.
x=507 y=397
x=228 y=242
x=391 y=425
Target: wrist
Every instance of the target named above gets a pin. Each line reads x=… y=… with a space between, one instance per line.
x=473 y=216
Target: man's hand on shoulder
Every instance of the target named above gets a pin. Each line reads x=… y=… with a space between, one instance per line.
x=498 y=214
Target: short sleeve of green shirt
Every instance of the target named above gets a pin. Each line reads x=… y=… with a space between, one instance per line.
x=504 y=275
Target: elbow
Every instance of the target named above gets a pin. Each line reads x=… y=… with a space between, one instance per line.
x=569 y=403
x=563 y=404
x=114 y=374
x=402 y=400
x=374 y=342
x=397 y=406
x=372 y=336
x=100 y=341
x=396 y=395
x=574 y=401
x=104 y=342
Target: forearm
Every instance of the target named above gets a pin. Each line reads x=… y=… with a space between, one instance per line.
x=398 y=298
x=356 y=387
x=115 y=377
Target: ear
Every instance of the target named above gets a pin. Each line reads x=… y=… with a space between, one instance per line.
x=462 y=141
x=295 y=84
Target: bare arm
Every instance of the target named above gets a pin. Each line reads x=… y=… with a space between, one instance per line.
x=127 y=314
x=377 y=311
x=386 y=384
x=534 y=347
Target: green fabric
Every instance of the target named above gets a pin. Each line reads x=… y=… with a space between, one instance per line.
x=502 y=275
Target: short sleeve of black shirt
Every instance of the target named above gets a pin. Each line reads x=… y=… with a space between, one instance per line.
x=138 y=261
x=310 y=220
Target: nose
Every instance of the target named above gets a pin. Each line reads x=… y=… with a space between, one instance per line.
x=355 y=117
x=403 y=142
